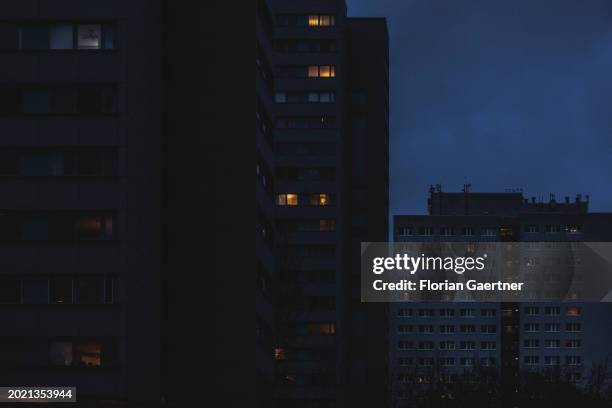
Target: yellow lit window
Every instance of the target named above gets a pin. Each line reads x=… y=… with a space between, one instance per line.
x=313 y=71
x=313 y=21
x=292 y=199
x=323 y=199
x=324 y=71
x=287 y=199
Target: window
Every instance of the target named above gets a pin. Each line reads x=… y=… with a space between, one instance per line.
x=532 y=311
x=552 y=229
x=532 y=327
x=467 y=361
x=446 y=231
x=61 y=290
x=552 y=360
x=317 y=122
x=60 y=353
x=426 y=345
x=467 y=345
x=467 y=231
x=531 y=360
x=531 y=343
x=36 y=291
x=91 y=227
x=467 y=313
x=61 y=36
x=321 y=71
x=488 y=232
x=573 y=360
x=447 y=329
x=488 y=312
x=320 y=199
x=488 y=361
x=321 y=20
x=488 y=328
x=10 y=290
x=60 y=99
x=426 y=361
x=404 y=345
x=403 y=312
x=446 y=361
x=426 y=312
x=447 y=345
x=405 y=231
x=573 y=343
x=573 y=229
x=573 y=327
x=487 y=345
x=405 y=361
x=531 y=229
x=426 y=231
x=426 y=328
x=552 y=327
x=27 y=162
x=572 y=311
x=552 y=311
x=305 y=97
x=93 y=290
x=404 y=328
x=320 y=328
x=467 y=328
x=552 y=343
x=447 y=312
x=287 y=199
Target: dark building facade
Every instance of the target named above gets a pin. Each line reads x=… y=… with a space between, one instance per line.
x=322 y=96
x=80 y=182
x=450 y=339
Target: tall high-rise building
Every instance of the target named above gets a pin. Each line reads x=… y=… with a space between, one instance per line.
x=327 y=152
x=80 y=230
x=437 y=341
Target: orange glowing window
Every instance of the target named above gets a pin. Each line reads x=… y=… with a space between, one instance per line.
x=327 y=71
x=323 y=199
x=287 y=199
x=313 y=20
x=325 y=21
x=507 y=312
x=313 y=71
x=90 y=354
x=572 y=311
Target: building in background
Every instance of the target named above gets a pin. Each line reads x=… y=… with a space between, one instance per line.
x=438 y=341
x=330 y=166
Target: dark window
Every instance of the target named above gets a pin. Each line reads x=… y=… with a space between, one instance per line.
x=60 y=290
x=36 y=290
x=10 y=290
x=90 y=290
x=34 y=37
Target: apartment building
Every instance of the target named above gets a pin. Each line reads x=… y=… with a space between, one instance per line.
x=330 y=156
x=436 y=341
x=79 y=197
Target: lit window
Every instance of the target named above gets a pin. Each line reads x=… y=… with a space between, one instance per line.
x=572 y=311
x=325 y=71
x=279 y=354
x=89 y=354
x=313 y=21
x=89 y=36
x=326 y=21
x=287 y=199
x=95 y=227
x=313 y=71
